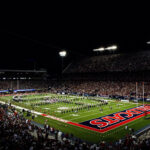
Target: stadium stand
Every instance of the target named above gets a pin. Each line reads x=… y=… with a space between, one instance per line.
x=124 y=90
x=113 y=76
x=112 y=63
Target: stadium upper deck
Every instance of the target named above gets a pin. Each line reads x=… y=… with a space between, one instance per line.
x=131 y=62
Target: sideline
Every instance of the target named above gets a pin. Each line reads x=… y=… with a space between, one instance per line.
x=37 y=113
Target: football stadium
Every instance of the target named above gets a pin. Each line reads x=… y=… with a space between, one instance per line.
x=81 y=108
x=59 y=92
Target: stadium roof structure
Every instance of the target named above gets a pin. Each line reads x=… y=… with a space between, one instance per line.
x=30 y=71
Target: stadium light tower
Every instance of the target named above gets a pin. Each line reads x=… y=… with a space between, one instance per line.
x=62 y=54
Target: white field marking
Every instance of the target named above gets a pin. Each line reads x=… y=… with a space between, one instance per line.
x=107 y=100
x=85 y=116
x=46 y=108
x=74 y=115
x=51 y=107
x=92 y=114
x=38 y=113
x=55 y=118
x=54 y=106
x=73 y=96
x=63 y=108
x=18 y=107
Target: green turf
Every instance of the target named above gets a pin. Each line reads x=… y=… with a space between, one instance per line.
x=80 y=116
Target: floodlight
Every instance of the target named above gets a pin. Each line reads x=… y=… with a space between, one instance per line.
x=99 y=49
x=62 y=53
x=108 y=48
x=148 y=42
x=113 y=47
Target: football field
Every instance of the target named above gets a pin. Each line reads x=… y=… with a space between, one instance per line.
x=92 y=119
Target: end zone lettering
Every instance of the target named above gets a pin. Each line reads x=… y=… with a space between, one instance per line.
x=112 y=121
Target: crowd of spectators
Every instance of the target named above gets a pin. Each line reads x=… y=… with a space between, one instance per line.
x=111 y=84
x=112 y=63
x=17 y=133
x=91 y=87
x=103 y=88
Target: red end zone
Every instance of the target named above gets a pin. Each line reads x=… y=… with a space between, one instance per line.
x=112 y=121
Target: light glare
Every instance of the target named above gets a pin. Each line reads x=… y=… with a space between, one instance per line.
x=99 y=49
x=113 y=47
x=62 y=53
x=148 y=42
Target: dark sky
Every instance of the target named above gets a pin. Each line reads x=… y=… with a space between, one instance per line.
x=36 y=41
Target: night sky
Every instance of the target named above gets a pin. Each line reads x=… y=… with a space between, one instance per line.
x=35 y=43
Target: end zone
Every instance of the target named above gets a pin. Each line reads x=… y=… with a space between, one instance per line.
x=112 y=121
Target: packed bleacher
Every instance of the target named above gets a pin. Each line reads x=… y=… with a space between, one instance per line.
x=125 y=89
x=112 y=63
x=108 y=75
x=103 y=88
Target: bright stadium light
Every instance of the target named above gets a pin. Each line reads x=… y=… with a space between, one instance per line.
x=99 y=49
x=113 y=47
x=148 y=42
x=62 y=53
x=108 y=48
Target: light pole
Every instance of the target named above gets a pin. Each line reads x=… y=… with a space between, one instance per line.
x=62 y=54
